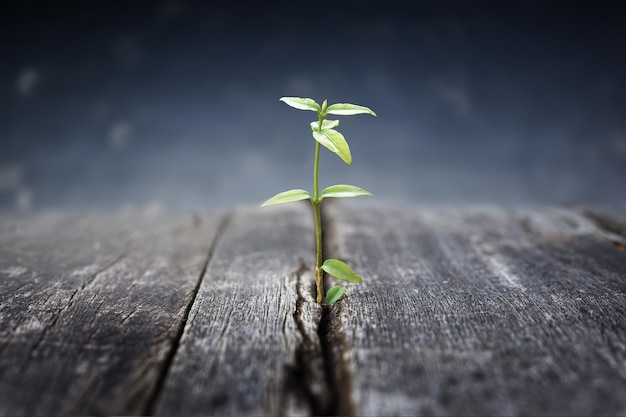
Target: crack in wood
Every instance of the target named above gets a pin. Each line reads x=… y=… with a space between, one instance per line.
x=300 y=301
x=339 y=377
x=129 y=315
x=167 y=364
x=302 y=377
x=443 y=337
x=330 y=334
x=333 y=396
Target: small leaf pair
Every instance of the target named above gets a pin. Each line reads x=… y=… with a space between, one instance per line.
x=341 y=271
x=340 y=109
x=337 y=191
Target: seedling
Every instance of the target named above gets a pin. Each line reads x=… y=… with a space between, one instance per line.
x=325 y=134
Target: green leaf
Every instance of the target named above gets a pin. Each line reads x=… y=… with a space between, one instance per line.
x=343 y=150
x=301 y=103
x=341 y=271
x=326 y=124
x=343 y=190
x=334 y=294
x=287 y=197
x=347 y=109
x=325 y=140
x=335 y=142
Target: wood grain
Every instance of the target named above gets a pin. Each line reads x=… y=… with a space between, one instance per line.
x=250 y=346
x=479 y=311
x=609 y=221
x=90 y=306
x=484 y=310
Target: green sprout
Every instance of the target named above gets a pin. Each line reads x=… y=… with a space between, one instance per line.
x=325 y=134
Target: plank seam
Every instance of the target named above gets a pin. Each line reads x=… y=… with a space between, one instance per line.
x=303 y=378
x=332 y=340
x=169 y=360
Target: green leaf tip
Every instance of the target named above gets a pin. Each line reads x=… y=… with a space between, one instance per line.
x=287 y=197
x=341 y=271
x=344 y=190
x=347 y=109
x=301 y=103
x=334 y=294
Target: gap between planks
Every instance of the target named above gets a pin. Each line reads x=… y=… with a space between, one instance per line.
x=317 y=375
x=336 y=398
x=151 y=403
x=337 y=376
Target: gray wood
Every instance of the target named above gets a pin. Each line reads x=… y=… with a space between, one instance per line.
x=250 y=346
x=91 y=306
x=478 y=311
x=469 y=311
x=610 y=221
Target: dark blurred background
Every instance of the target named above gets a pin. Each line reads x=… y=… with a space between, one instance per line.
x=106 y=104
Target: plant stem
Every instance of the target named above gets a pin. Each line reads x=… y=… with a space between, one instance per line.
x=319 y=275
x=315 y=173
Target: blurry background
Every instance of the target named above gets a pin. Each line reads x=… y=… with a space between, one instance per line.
x=106 y=104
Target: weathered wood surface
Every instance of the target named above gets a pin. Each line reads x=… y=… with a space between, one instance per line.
x=468 y=311
x=90 y=306
x=250 y=346
x=480 y=311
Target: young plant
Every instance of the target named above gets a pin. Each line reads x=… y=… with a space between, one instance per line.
x=325 y=134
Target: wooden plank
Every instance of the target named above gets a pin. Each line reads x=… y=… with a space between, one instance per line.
x=250 y=346
x=92 y=304
x=614 y=214
x=472 y=311
x=478 y=311
x=610 y=221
